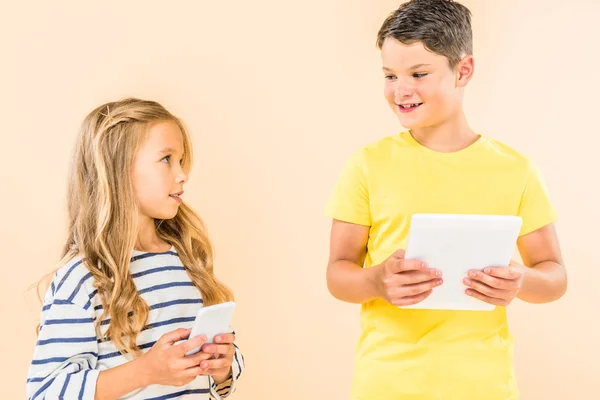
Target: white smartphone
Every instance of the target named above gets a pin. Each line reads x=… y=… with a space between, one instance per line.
x=212 y=321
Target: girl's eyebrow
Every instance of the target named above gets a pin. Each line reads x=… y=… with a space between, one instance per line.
x=167 y=150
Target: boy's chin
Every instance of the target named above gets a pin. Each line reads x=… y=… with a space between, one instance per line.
x=411 y=123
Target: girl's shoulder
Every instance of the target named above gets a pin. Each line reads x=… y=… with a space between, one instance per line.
x=73 y=283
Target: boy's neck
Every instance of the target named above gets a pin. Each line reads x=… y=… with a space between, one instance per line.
x=450 y=136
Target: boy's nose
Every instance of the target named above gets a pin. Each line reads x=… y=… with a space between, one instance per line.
x=403 y=91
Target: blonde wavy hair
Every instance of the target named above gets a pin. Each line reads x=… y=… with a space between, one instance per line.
x=103 y=217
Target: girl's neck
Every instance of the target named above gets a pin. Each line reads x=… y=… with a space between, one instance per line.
x=148 y=240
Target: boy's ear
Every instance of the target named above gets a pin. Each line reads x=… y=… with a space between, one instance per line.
x=464 y=71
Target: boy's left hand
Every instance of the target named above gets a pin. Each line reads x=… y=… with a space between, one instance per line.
x=219 y=368
x=495 y=285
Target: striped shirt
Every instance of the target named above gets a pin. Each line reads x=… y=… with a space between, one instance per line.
x=69 y=355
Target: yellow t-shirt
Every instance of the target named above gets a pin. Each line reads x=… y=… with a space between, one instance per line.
x=411 y=354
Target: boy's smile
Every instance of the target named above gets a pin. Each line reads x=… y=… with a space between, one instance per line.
x=420 y=86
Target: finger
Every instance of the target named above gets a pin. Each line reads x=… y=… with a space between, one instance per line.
x=216 y=363
x=412 y=277
x=511 y=273
x=190 y=344
x=217 y=372
x=401 y=265
x=410 y=300
x=485 y=289
x=487 y=299
x=174 y=336
x=398 y=254
x=394 y=281
x=225 y=338
x=194 y=371
x=416 y=289
x=491 y=281
x=196 y=358
x=218 y=349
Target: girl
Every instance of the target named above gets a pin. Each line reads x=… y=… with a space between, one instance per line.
x=136 y=267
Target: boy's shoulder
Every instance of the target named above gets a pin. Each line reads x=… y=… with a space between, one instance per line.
x=382 y=145
x=504 y=153
x=503 y=148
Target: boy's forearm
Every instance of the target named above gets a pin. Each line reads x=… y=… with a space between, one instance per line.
x=543 y=283
x=352 y=283
x=116 y=382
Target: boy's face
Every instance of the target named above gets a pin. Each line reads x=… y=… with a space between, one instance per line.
x=420 y=87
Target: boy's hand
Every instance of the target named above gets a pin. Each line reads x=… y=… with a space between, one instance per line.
x=495 y=285
x=405 y=282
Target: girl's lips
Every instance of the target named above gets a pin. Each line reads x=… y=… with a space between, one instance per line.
x=175 y=196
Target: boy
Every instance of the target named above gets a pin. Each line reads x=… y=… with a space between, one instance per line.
x=438 y=166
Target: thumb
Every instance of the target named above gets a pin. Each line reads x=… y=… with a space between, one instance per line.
x=398 y=254
x=175 y=336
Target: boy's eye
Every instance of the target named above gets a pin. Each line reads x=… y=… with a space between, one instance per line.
x=389 y=77
x=419 y=75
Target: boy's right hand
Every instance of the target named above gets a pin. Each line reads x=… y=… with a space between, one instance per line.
x=405 y=282
x=166 y=363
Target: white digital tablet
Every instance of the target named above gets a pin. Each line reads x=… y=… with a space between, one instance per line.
x=455 y=244
x=212 y=321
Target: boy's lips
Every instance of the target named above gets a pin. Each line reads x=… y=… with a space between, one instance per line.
x=408 y=107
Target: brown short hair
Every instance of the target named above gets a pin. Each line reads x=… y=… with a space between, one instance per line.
x=443 y=26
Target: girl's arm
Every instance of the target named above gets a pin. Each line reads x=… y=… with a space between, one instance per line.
x=165 y=363
x=65 y=355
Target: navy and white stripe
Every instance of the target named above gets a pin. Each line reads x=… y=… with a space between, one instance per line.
x=69 y=353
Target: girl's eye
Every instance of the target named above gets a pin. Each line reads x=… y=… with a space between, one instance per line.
x=389 y=77
x=165 y=159
x=419 y=75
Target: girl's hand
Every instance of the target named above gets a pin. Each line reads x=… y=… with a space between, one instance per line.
x=218 y=357
x=166 y=363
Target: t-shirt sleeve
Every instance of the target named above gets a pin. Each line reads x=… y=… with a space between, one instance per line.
x=535 y=208
x=349 y=201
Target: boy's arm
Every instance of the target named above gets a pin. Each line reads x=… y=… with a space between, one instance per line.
x=546 y=278
x=347 y=280
x=543 y=278
x=398 y=281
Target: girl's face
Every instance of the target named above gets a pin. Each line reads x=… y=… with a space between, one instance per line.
x=158 y=177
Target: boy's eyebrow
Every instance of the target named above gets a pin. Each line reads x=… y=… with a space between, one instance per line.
x=416 y=66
